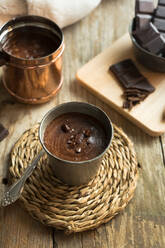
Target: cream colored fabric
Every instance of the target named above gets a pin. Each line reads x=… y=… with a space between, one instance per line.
x=63 y=12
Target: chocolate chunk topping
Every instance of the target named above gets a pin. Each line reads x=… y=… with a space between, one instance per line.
x=3 y=132
x=78 y=149
x=87 y=132
x=65 y=128
x=5 y=181
x=136 y=86
x=79 y=138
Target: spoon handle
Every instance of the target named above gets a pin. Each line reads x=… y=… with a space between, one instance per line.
x=14 y=192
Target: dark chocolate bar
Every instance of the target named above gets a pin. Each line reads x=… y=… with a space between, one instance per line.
x=3 y=132
x=144 y=6
x=136 y=86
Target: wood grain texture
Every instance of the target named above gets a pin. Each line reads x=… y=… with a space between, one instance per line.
x=142 y=223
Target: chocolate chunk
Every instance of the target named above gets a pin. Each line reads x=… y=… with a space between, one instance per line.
x=91 y=140
x=119 y=68
x=69 y=142
x=5 y=181
x=160 y=12
x=78 y=149
x=126 y=72
x=160 y=24
x=146 y=35
x=155 y=46
x=161 y=2
x=144 y=6
x=87 y=132
x=79 y=138
x=127 y=105
x=65 y=128
x=142 y=21
x=144 y=85
x=136 y=86
x=132 y=78
x=3 y=132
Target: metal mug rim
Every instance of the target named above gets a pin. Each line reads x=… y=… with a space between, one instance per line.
x=40 y=59
x=75 y=162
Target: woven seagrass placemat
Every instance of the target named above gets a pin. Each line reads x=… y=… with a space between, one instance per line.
x=76 y=208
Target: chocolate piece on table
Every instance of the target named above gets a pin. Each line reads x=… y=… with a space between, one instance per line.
x=126 y=72
x=159 y=23
x=144 y=6
x=142 y=21
x=119 y=68
x=144 y=36
x=3 y=132
x=160 y=11
x=136 y=86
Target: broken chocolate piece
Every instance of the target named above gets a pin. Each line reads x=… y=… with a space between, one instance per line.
x=136 y=86
x=144 y=36
x=3 y=132
x=144 y=6
x=79 y=138
x=155 y=46
x=87 y=132
x=142 y=21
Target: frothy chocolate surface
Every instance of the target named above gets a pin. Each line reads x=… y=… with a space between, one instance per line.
x=75 y=137
x=31 y=42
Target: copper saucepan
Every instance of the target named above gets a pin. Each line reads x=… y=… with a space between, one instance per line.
x=34 y=80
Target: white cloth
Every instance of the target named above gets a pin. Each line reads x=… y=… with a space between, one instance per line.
x=63 y=12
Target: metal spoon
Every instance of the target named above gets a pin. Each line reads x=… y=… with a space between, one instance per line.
x=14 y=192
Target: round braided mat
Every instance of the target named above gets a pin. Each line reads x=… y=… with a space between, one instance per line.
x=76 y=208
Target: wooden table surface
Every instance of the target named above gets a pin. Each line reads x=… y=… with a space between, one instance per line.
x=142 y=223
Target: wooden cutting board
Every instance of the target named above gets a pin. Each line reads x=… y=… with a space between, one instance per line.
x=149 y=115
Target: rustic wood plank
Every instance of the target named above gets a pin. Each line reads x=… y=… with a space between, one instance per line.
x=18 y=229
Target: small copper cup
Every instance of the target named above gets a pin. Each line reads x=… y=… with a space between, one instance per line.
x=34 y=80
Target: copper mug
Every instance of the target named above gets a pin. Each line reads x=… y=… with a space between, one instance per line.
x=34 y=80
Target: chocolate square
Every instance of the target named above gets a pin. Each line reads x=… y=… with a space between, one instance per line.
x=160 y=12
x=144 y=36
x=155 y=46
x=161 y=2
x=159 y=23
x=142 y=21
x=144 y=6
